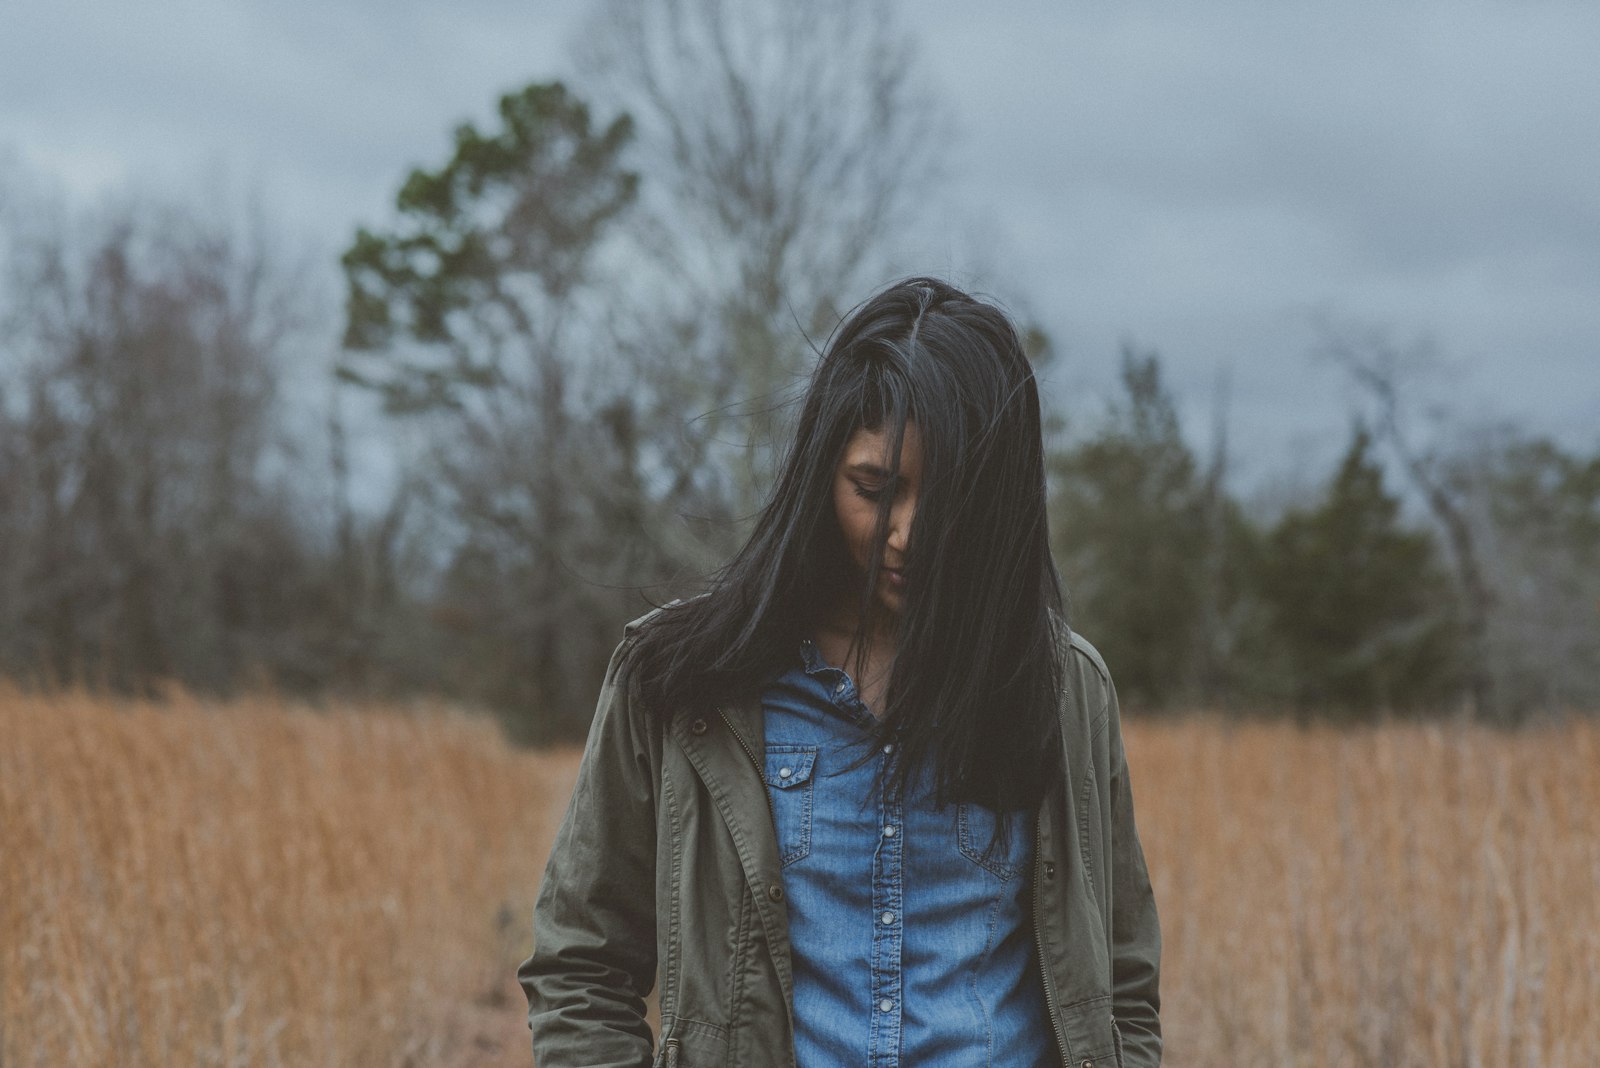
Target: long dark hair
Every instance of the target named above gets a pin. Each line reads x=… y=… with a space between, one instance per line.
x=973 y=693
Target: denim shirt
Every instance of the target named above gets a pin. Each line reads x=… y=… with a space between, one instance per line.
x=910 y=934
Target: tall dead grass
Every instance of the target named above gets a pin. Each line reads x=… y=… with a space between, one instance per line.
x=263 y=885
x=257 y=884
x=1395 y=896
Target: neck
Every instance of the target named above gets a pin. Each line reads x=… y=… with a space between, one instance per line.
x=841 y=625
x=869 y=659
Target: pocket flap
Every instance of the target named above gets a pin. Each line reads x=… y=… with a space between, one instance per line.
x=790 y=765
x=1090 y=1033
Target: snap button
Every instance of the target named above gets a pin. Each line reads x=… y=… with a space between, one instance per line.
x=775 y=892
x=784 y=773
x=697 y=727
x=888 y=918
x=1049 y=870
x=885 y=1005
x=888 y=832
x=1088 y=1063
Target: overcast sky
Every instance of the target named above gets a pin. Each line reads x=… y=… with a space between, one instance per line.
x=1200 y=179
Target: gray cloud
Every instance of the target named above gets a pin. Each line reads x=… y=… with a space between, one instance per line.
x=1199 y=178
x=1203 y=178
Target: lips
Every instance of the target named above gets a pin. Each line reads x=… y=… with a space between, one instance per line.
x=897 y=578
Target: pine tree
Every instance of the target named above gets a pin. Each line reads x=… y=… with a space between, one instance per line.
x=1360 y=605
x=1134 y=528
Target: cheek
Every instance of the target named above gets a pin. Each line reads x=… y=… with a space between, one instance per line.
x=855 y=521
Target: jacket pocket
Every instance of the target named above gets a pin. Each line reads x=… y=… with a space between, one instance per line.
x=1003 y=855
x=788 y=773
x=1091 y=1033
x=691 y=1044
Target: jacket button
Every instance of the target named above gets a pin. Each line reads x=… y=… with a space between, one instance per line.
x=1088 y=1063
x=697 y=727
x=1049 y=870
x=775 y=892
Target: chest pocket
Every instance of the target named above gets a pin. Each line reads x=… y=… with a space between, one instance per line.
x=1002 y=856
x=788 y=774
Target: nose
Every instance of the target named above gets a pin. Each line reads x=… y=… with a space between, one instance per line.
x=900 y=515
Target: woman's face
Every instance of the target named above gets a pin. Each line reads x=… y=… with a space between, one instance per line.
x=859 y=484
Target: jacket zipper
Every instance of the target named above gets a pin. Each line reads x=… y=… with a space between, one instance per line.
x=761 y=777
x=754 y=763
x=1038 y=936
x=671 y=1060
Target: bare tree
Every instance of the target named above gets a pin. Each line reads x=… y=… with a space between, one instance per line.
x=784 y=146
x=1534 y=509
x=142 y=356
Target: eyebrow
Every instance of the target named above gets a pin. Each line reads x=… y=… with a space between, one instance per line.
x=868 y=469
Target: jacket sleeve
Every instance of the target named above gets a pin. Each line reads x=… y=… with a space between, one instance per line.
x=1135 y=930
x=594 y=955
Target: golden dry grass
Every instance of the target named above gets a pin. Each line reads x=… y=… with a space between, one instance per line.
x=258 y=884
x=263 y=885
x=1396 y=896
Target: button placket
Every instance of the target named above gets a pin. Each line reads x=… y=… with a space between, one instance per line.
x=888 y=890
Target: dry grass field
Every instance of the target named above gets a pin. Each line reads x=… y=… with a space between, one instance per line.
x=258 y=884
x=1399 y=896
x=263 y=885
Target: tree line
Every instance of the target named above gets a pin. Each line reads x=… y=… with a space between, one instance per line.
x=574 y=341
x=1484 y=597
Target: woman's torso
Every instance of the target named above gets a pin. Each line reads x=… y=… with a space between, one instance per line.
x=908 y=924
x=716 y=912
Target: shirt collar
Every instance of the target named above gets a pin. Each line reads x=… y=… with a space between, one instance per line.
x=812 y=660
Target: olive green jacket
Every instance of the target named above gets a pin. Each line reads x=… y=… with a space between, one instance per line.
x=666 y=866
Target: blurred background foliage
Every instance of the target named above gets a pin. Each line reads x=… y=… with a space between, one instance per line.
x=581 y=330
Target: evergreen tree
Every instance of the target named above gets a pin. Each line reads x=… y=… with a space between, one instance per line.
x=471 y=311
x=1134 y=521
x=1360 y=605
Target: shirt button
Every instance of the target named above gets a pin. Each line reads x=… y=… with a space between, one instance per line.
x=888 y=747
x=888 y=832
x=775 y=892
x=784 y=773
x=888 y=917
x=885 y=1005
x=839 y=689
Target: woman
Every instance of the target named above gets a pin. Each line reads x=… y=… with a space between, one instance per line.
x=864 y=802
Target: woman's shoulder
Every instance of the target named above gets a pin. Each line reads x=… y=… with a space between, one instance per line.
x=1075 y=652
x=1083 y=650
x=640 y=646
x=635 y=626
x=1086 y=681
